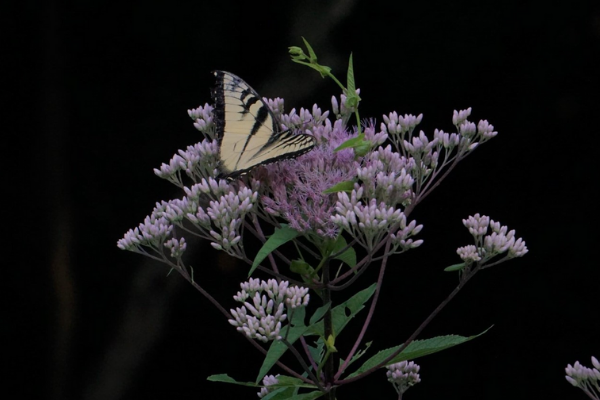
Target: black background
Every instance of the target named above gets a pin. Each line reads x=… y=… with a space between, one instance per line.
x=101 y=100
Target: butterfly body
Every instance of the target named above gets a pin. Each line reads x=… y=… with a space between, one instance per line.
x=248 y=132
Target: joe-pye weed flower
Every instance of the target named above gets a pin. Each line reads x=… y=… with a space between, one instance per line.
x=585 y=378
x=345 y=206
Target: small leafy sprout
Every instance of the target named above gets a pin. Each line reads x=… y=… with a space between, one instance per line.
x=352 y=97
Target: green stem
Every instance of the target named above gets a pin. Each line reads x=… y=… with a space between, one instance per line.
x=359 y=127
x=336 y=81
x=328 y=370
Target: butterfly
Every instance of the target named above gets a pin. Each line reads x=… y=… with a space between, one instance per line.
x=248 y=132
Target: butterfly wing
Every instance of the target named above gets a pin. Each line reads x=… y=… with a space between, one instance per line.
x=248 y=132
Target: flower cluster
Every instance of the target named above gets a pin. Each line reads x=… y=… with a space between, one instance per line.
x=302 y=121
x=203 y=118
x=403 y=375
x=198 y=162
x=430 y=157
x=151 y=233
x=385 y=175
x=369 y=223
x=263 y=310
x=297 y=191
x=294 y=189
x=268 y=381
x=587 y=379
x=221 y=221
x=488 y=246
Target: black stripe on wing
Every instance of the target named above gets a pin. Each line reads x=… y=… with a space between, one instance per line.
x=234 y=87
x=232 y=92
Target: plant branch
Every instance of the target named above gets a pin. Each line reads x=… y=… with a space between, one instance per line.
x=187 y=277
x=369 y=315
x=327 y=321
x=303 y=363
x=416 y=333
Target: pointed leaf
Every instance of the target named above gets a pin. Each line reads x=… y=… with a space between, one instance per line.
x=278 y=348
x=319 y=313
x=227 y=379
x=301 y=267
x=297 y=316
x=417 y=348
x=345 y=186
x=352 y=101
x=279 y=237
x=348 y=256
x=343 y=313
x=363 y=148
x=352 y=143
x=311 y=52
x=358 y=354
x=282 y=393
x=283 y=389
x=285 y=381
x=350 y=77
x=317 y=352
x=455 y=267
x=307 y=396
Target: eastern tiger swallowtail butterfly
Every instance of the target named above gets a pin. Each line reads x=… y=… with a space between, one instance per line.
x=248 y=132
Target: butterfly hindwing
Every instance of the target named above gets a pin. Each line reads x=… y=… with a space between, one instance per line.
x=247 y=130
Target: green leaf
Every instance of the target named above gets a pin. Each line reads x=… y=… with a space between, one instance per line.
x=279 y=237
x=358 y=355
x=455 y=267
x=363 y=148
x=317 y=351
x=278 y=348
x=310 y=60
x=348 y=256
x=289 y=381
x=287 y=388
x=280 y=394
x=284 y=389
x=345 y=186
x=285 y=381
x=301 y=267
x=415 y=349
x=343 y=313
x=311 y=52
x=304 y=396
x=352 y=143
x=297 y=316
x=350 y=78
x=352 y=99
x=227 y=379
x=319 y=313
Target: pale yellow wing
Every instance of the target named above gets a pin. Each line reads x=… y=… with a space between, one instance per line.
x=247 y=130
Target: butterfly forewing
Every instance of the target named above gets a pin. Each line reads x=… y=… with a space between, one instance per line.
x=248 y=131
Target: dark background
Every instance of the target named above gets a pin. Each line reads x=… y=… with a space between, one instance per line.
x=101 y=100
